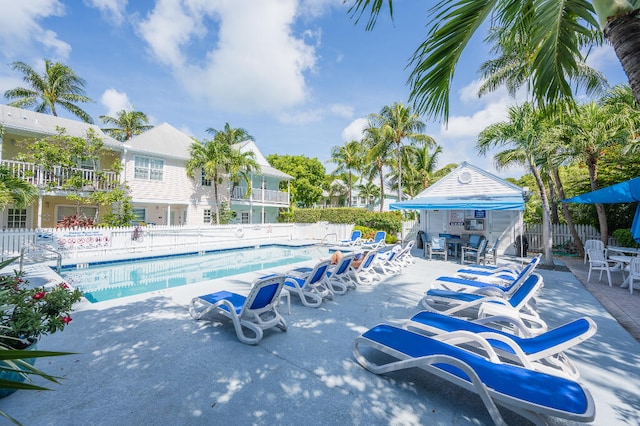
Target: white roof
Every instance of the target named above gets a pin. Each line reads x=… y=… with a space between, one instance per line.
x=28 y=123
x=265 y=167
x=163 y=140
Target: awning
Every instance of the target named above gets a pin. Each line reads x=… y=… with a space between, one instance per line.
x=463 y=202
x=623 y=192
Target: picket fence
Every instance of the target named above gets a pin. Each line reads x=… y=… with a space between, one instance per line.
x=560 y=234
x=36 y=245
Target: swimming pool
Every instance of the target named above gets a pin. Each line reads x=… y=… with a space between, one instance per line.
x=103 y=281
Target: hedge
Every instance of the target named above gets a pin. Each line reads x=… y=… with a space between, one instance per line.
x=391 y=222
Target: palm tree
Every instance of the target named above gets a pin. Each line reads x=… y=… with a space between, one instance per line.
x=240 y=166
x=209 y=158
x=378 y=148
x=230 y=135
x=126 y=124
x=397 y=123
x=14 y=190
x=594 y=128
x=58 y=85
x=370 y=192
x=521 y=134
x=557 y=33
x=421 y=168
x=348 y=157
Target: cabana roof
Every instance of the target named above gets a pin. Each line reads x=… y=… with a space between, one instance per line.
x=467 y=188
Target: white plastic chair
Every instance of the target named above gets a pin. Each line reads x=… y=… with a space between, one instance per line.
x=634 y=272
x=592 y=244
x=598 y=262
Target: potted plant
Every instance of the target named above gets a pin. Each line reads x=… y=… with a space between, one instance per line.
x=26 y=314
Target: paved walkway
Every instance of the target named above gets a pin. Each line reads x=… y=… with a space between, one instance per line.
x=143 y=360
x=624 y=307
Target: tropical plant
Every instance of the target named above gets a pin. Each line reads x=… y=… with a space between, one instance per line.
x=398 y=124
x=58 y=85
x=62 y=155
x=556 y=32
x=240 y=165
x=377 y=147
x=208 y=159
x=230 y=135
x=348 y=157
x=14 y=190
x=521 y=134
x=126 y=124
x=28 y=312
x=421 y=167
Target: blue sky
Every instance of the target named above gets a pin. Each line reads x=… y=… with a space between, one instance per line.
x=299 y=75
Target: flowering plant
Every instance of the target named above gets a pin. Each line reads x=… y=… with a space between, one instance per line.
x=26 y=312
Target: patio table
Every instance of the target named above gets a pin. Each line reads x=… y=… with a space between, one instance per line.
x=624 y=250
x=622 y=262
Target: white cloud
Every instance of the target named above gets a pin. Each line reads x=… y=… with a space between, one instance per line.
x=254 y=62
x=355 y=130
x=115 y=102
x=341 y=110
x=112 y=10
x=458 y=138
x=20 y=29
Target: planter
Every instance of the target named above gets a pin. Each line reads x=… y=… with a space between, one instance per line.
x=13 y=376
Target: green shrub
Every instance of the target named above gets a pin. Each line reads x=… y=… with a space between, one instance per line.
x=624 y=238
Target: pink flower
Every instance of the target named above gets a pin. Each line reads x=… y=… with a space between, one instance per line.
x=39 y=295
x=66 y=320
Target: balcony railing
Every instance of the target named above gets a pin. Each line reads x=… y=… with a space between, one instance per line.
x=259 y=195
x=56 y=177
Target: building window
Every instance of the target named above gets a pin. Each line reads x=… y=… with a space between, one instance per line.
x=148 y=168
x=204 y=181
x=245 y=217
x=16 y=218
x=139 y=215
x=206 y=216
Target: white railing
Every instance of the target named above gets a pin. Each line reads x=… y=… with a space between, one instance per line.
x=261 y=195
x=99 y=242
x=57 y=176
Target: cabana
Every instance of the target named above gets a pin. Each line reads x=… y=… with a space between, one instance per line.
x=623 y=192
x=469 y=201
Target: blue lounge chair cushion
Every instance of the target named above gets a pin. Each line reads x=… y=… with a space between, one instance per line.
x=531 y=386
x=555 y=338
x=236 y=300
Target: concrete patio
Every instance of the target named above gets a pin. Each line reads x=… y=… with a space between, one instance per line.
x=144 y=360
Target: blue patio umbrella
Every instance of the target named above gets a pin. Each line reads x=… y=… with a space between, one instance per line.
x=623 y=192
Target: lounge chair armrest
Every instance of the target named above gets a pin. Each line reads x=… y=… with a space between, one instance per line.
x=463 y=337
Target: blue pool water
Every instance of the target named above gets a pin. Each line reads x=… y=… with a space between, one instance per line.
x=111 y=280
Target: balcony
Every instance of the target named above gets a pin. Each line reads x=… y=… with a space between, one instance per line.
x=57 y=177
x=258 y=195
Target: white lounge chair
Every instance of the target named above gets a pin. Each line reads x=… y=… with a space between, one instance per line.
x=489 y=301
x=355 y=240
x=312 y=287
x=527 y=392
x=543 y=352
x=255 y=312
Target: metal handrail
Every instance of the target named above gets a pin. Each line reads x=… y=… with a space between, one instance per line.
x=326 y=235
x=58 y=255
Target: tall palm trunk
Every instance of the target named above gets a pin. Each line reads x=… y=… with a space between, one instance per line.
x=547 y=240
x=555 y=174
x=399 y=172
x=381 y=185
x=602 y=215
x=624 y=34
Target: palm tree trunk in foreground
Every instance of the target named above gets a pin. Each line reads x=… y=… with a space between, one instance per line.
x=624 y=34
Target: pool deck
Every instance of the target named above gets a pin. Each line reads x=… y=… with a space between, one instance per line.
x=143 y=360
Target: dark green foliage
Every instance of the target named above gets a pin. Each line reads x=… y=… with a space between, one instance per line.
x=624 y=238
x=391 y=222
